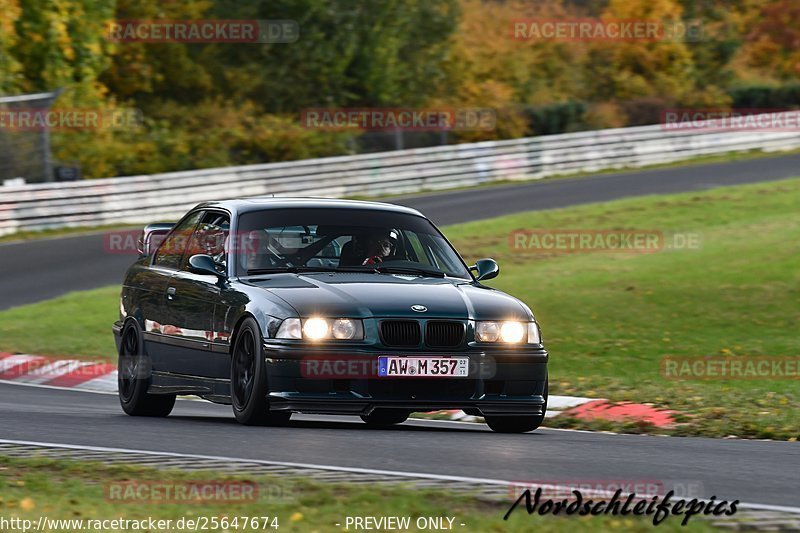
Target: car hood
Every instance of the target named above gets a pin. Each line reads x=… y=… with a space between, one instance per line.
x=365 y=295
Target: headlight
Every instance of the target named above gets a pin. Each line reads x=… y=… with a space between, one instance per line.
x=344 y=329
x=509 y=332
x=316 y=328
x=487 y=331
x=512 y=332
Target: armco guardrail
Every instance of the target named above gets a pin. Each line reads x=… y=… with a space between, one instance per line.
x=166 y=196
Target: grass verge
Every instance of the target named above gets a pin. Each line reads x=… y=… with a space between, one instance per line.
x=68 y=490
x=608 y=319
x=76 y=324
x=62 y=232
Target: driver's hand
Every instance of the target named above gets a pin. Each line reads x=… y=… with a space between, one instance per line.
x=372 y=260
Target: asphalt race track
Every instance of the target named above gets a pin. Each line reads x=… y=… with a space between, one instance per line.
x=42 y=269
x=751 y=471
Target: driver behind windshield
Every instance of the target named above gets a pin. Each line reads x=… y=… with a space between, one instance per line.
x=378 y=246
x=368 y=249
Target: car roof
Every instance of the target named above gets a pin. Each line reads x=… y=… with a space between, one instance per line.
x=244 y=205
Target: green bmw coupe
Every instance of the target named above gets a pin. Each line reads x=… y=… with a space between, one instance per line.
x=280 y=305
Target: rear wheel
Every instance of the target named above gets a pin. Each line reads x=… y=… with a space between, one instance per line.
x=385 y=417
x=249 y=380
x=518 y=424
x=134 y=376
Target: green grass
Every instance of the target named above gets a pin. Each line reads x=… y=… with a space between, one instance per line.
x=77 y=324
x=31 y=488
x=30 y=235
x=608 y=319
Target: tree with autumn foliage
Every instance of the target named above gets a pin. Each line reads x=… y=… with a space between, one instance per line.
x=217 y=104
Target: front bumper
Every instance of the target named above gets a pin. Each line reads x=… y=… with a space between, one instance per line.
x=502 y=382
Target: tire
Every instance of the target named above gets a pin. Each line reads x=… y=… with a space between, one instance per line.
x=385 y=417
x=249 y=379
x=518 y=424
x=134 y=377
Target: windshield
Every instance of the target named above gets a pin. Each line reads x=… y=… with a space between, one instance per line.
x=294 y=240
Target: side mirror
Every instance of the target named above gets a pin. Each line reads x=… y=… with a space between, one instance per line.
x=486 y=269
x=203 y=264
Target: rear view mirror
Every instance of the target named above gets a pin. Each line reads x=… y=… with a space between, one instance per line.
x=151 y=238
x=486 y=268
x=203 y=264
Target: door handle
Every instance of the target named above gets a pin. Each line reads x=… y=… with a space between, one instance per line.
x=171 y=293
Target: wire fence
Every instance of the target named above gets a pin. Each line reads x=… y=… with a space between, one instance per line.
x=25 y=152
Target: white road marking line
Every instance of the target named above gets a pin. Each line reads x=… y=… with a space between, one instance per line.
x=53 y=387
x=438 y=477
x=104 y=383
x=559 y=403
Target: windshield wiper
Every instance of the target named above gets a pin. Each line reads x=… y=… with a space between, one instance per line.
x=289 y=270
x=382 y=269
x=296 y=269
x=388 y=269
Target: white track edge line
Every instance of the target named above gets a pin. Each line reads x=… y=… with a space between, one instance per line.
x=53 y=387
x=420 y=475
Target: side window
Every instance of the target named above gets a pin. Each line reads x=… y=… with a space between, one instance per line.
x=441 y=259
x=170 y=253
x=417 y=248
x=210 y=239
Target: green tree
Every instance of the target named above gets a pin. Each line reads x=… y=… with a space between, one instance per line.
x=349 y=53
x=155 y=72
x=9 y=66
x=62 y=45
x=772 y=45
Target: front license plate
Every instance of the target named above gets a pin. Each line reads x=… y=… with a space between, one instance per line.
x=431 y=367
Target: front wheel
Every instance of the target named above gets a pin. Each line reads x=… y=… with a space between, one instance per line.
x=518 y=424
x=249 y=380
x=133 y=378
x=385 y=417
